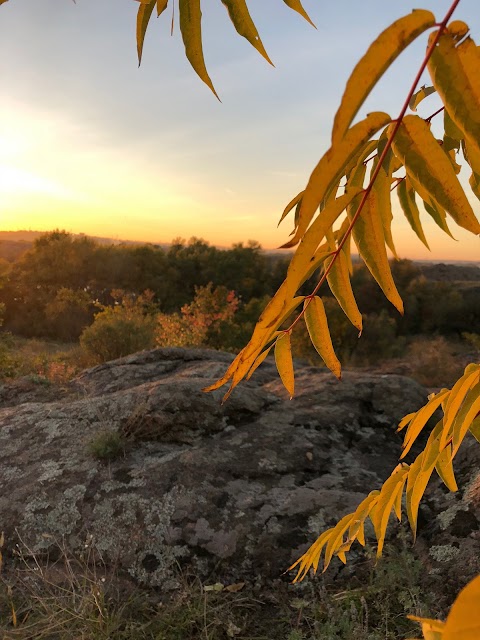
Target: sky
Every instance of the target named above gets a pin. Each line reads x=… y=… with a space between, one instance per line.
x=93 y=144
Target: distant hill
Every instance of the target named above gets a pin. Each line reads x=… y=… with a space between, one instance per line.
x=14 y=243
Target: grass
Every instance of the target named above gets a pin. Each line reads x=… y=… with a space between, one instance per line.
x=78 y=597
x=43 y=361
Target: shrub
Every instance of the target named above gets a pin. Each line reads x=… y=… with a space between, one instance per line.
x=117 y=331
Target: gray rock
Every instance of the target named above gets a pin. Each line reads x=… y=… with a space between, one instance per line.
x=234 y=491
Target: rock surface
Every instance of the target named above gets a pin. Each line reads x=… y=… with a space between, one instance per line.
x=235 y=491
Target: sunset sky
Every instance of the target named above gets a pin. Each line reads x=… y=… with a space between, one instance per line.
x=91 y=143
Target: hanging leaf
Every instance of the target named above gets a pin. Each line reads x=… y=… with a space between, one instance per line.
x=455 y=72
x=444 y=467
x=244 y=25
x=451 y=129
x=406 y=197
x=380 y=55
x=331 y=167
x=283 y=360
x=456 y=397
x=259 y=361
x=191 y=28
x=335 y=540
x=382 y=188
x=464 y=418
x=317 y=325
x=421 y=418
x=392 y=487
x=144 y=14
x=339 y=282
x=427 y=164
x=293 y=203
x=420 y=95
x=297 y=6
x=370 y=240
x=463 y=621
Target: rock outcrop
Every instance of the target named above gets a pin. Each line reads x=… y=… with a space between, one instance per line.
x=236 y=491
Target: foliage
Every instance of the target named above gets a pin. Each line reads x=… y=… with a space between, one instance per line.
x=407 y=155
x=107 y=445
x=117 y=331
x=190 y=26
x=200 y=321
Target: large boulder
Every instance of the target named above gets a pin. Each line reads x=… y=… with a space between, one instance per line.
x=234 y=490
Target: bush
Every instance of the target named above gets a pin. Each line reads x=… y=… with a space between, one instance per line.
x=120 y=330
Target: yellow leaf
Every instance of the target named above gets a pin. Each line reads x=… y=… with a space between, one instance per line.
x=380 y=55
x=336 y=539
x=391 y=488
x=464 y=418
x=420 y=95
x=422 y=475
x=191 y=28
x=144 y=14
x=421 y=418
x=317 y=325
x=451 y=129
x=406 y=420
x=296 y=5
x=369 y=237
x=444 y=468
x=290 y=205
x=244 y=25
x=455 y=72
x=455 y=400
x=360 y=515
x=406 y=196
x=475 y=429
x=463 y=621
x=331 y=167
x=311 y=557
x=259 y=361
x=283 y=360
x=427 y=163
x=431 y=629
x=339 y=282
x=382 y=188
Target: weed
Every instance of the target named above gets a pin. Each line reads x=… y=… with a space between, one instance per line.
x=107 y=444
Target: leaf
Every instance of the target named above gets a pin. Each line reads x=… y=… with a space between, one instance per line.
x=455 y=400
x=406 y=197
x=336 y=539
x=431 y=629
x=357 y=524
x=455 y=73
x=296 y=5
x=369 y=237
x=382 y=188
x=283 y=360
x=339 y=282
x=451 y=129
x=464 y=418
x=235 y=587
x=331 y=168
x=259 y=361
x=191 y=28
x=317 y=325
x=420 y=95
x=444 y=468
x=421 y=418
x=463 y=621
x=290 y=206
x=311 y=557
x=426 y=162
x=244 y=25
x=144 y=14
x=391 y=488
x=380 y=55
x=422 y=476
x=475 y=429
